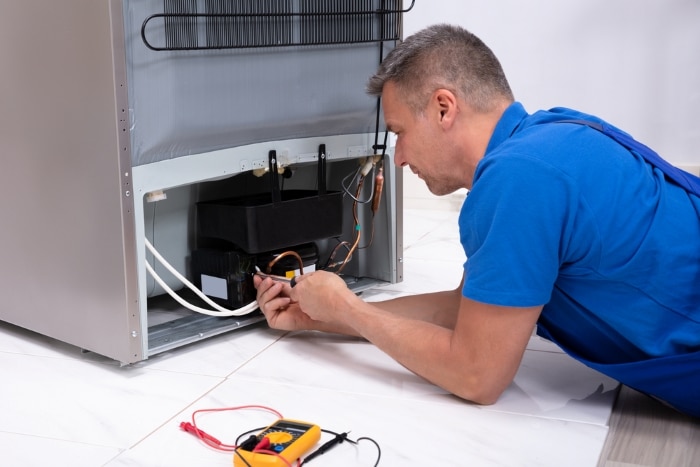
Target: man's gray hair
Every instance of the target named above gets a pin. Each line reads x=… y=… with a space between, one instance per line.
x=443 y=56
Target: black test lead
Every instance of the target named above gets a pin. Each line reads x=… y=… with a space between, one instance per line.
x=327 y=446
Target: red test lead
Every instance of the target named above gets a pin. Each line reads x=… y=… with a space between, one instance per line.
x=263 y=444
x=188 y=427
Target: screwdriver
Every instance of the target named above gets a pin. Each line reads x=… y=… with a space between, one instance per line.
x=291 y=282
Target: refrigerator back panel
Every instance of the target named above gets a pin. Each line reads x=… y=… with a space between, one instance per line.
x=206 y=74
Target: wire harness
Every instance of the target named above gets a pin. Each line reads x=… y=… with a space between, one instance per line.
x=219 y=310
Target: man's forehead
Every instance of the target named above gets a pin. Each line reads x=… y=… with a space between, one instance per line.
x=390 y=99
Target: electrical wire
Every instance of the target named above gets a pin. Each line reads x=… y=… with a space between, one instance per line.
x=358 y=230
x=339 y=438
x=379 y=450
x=191 y=427
x=346 y=186
x=153 y=235
x=331 y=257
x=221 y=311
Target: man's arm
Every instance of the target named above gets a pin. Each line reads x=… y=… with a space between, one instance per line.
x=439 y=308
x=476 y=360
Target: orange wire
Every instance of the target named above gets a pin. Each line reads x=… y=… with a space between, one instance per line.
x=357 y=227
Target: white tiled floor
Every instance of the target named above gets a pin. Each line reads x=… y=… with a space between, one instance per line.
x=61 y=407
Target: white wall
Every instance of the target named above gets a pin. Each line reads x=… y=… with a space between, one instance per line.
x=635 y=63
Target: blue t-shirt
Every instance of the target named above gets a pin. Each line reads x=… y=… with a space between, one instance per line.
x=561 y=215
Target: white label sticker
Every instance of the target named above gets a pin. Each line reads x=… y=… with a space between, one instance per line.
x=214 y=287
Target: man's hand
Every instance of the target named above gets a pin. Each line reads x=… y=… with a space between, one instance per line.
x=279 y=309
x=285 y=308
x=324 y=297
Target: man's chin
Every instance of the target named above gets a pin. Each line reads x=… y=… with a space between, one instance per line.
x=439 y=190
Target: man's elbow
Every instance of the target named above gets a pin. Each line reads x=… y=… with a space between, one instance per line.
x=480 y=392
x=486 y=398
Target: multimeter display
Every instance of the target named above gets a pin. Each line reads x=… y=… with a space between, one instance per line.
x=288 y=439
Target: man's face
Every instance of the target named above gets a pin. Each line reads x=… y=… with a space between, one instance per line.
x=421 y=143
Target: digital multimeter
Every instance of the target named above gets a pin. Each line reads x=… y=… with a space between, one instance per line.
x=288 y=439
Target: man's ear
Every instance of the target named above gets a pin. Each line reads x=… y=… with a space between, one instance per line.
x=447 y=107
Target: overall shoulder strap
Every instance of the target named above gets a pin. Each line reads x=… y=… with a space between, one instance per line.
x=688 y=181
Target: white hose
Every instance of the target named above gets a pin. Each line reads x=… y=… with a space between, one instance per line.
x=222 y=312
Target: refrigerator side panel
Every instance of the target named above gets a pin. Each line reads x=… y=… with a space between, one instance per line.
x=67 y=241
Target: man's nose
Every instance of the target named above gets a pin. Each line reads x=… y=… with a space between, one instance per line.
x=399 y=160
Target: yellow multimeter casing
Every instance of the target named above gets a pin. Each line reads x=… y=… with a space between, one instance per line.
x=290 y=439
